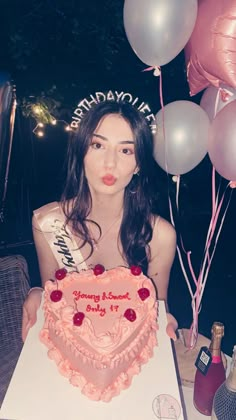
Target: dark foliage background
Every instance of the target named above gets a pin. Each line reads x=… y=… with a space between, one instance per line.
x=67 y=49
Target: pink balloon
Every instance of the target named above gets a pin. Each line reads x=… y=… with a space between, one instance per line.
x=211 y=50
x=222 y=142
x=214 y=99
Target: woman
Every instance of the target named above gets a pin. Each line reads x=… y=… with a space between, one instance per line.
x=106 y=212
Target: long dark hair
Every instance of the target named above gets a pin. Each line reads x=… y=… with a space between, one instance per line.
x=136 y=226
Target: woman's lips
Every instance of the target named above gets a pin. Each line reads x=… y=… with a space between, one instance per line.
x=108 y=180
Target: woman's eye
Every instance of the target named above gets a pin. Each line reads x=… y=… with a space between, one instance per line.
x=96 y=145
x=127 y=151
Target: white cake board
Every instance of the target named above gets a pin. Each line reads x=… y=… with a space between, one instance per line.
x=38 y=392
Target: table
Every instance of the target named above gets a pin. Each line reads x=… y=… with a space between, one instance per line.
x=38 y=392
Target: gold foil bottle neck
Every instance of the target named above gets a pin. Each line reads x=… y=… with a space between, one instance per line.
x=218 y=329
x=217 y=333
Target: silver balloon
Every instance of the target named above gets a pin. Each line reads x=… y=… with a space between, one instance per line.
x=180 y=142
x=214 y=99
x=222 y=142
x=158 y=30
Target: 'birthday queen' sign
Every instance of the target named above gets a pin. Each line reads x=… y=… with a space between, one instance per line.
x=85 y=104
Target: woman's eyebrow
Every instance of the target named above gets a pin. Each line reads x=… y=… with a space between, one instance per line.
x=126 y=142
x=100 y=136
x=106 y=139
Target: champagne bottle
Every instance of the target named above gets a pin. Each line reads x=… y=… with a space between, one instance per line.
x=210 y=373
x=224 y=404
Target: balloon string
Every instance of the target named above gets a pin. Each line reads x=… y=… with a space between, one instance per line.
x=177 y=191
x=203 y=274
x=216 y=207
x=160 y=90
x=212 y=224
x=213 y=188
x=214 y=220
x=213 y=183
x=163 y=118
x=188 y=253
x=217 y=102
x=177 y=185
x=215 y=210
x=200 y=281
x=157 y=72
x=193 y=332
x=191 y=267
x=178 y=248
x=216 y=240
x=180 y=255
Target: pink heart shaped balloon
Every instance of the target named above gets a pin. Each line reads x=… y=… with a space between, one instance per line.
x=211 y=50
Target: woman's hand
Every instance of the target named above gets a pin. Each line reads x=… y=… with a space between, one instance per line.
x=30 y=308
x=172 y=326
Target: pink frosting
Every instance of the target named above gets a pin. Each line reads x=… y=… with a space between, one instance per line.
x=103 y=354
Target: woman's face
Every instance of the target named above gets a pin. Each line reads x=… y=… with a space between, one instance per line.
x=110 y=161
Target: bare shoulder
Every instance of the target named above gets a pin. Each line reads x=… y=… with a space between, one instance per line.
x=46 y=259
x=42 y=214
x=163 y=230
x=163 y=240
x=47 y=208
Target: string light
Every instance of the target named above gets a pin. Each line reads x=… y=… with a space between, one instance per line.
x=42 y=112
x=36 y=109
x=40 y=133
x=38 y=130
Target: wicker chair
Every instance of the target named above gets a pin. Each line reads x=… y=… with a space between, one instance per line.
x=14 y=286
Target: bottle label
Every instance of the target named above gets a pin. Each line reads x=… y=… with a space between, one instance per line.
x=203 y=360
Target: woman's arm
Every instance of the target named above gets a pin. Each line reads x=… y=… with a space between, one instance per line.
x=47 y=266
x=163 y=248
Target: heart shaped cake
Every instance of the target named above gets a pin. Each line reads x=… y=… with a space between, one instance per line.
x=100 y=327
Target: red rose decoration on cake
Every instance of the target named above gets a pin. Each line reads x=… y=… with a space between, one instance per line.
x=60 y=274
x=135 y=270
x=143 y=293
x=98 y=269
x=78 y=318
x=130 y=314
x=56 y=295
